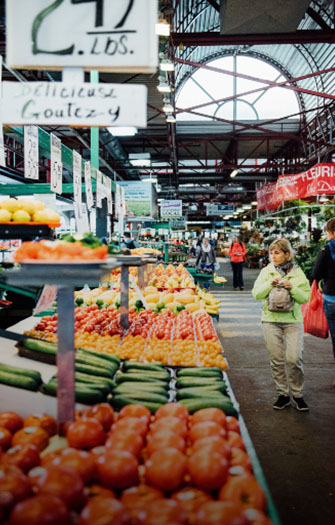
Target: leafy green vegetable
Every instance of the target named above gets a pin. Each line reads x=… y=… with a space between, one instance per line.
x=67 y=237
x=79 y=301
x=90 y=241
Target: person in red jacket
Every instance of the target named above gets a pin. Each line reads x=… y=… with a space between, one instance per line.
x=237 y=253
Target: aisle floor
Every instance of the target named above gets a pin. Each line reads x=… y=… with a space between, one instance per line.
x=296 y=449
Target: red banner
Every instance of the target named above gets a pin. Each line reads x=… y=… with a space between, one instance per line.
x=318 y=180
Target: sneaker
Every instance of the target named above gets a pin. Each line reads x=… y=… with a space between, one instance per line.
x=282 y=402
x=300 y=404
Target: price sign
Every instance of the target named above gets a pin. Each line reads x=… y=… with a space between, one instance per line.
x=77 y=177
x=94 y=34
x=47 y=298
x=88 y=185
x=99 y=196
x=81 y=217
x=56 y=183
x=108 y=190
x=2 y=147
x=31 y=152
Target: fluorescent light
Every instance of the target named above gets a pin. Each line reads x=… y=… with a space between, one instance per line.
x=123 y=131
x=168 y=108
x=254 y=203
x=162 y=28
x=139 y=159
x=233 y=174
x=166 y=65
x=171 y=119
x=164 y=87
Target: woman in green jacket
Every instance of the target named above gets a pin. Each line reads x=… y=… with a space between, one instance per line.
x=282 y=323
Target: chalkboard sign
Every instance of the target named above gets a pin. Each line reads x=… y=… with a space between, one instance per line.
x=107 y=35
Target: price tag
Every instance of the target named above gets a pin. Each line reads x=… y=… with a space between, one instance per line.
x=108 y=194
x=47 y=298
x=31 y=152
x=88 y=185
x=56 y=183
x=99 y=195
x=77 y=177
x=81 y=217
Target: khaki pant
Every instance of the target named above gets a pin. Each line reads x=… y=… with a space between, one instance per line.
x=285 y=345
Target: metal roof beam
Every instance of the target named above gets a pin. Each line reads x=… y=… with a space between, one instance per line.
x=303 y=36
x=318 y=19
x=214 y=4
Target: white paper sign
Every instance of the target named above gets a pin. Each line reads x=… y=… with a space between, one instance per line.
x=77 y=177
x=81 y=216
x=108 y=194
x=88 y=186
x=99 y=196
x=2 y=146
x=63 y=103
x=56 y=181
x=47 y=298
x=171 y=208
x=94 y=34
x=123 y=201
x=31 y=152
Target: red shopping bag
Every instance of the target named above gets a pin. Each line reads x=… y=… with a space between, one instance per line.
x=315 y=322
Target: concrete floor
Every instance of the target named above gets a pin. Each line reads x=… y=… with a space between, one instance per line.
x=296 y=449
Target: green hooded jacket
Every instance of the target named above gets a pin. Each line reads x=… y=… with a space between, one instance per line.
x=300 y=292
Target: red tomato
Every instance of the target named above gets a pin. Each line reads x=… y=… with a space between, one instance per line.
x=135 y=497
x=214 y=444
x=239 y=458
x=165 y=469
x=160 y=440
x=190 y=500
x=5 y=437
x=234 y=439
x=257 y=517
x=172 y=424
x=43 y=509
x=232 y=424
x=59 y=481
x=33 y=435
x=104 y=510
x=81 y=461
x=125 y=440
x=85 y=433
x=97 y=490
x=208 y=470
x=244 y=490
x=103 y=413
x=135 y=410
x=219 y=513
x=24 y=456
x=117 y=469
x=162 y=512
x=11 y=421
x=206 y=429
x=209 y=414
x=48 y=423
x=173 y=410
x=132 y=424
x=14 y=485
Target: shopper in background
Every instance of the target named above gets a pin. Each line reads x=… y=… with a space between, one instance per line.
x=283 y=330
x=324 y=270
x=237 y=253
x=206 y=257
x=128 y=242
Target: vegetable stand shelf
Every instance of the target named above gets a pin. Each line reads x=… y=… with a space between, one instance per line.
x=24 y=231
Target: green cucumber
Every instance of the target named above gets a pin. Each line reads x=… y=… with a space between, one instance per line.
x=124 y=388
x=185 y=382
x=88 y=378
x=18 y=381
x=93 y=370
x=40 y=346
x=112 y=358
x=164 y=375
x=83 y=393
x=193 y=405
x=199 y=372
x=146 y=396
x=34 y=374
x=119 y=402
x=192 y=393
x=135 y=365
x=92 y=361
x=139 y=378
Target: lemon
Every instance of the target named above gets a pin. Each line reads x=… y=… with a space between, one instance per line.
x=27 y=205
x=40 y=216
x=39 y=205
x=52 y=215
x=5 y=216
x=21 y=216
x=10 y=205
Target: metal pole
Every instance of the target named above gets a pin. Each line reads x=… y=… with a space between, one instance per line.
x=124 y=299
x=65 y=355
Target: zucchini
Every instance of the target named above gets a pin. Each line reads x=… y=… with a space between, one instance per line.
x=135 y=365
x=124 y=388
x=139 y=378
x=40 y=346
x=18 y=381
x=88 y=378
x=193 y=393
x=119 y=402
x=185 y=382
x=112 y=358
x=146 y=396
x=83 y=393
x=199 y=372
x=164 y=375
x=193 y=405
x=34 y=374
x=93 y=370
x=92 y=361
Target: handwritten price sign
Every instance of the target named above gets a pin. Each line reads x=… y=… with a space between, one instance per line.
x=93 y=34
x=56 y=164
x=31 y=152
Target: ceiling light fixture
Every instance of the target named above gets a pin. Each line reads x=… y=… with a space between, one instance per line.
x=171 y=119
x=164 y=87
x=233 y=174
x=254 y=203
x=166 y=65
x=122 y=131
x=162 y=28
x=167 y=108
